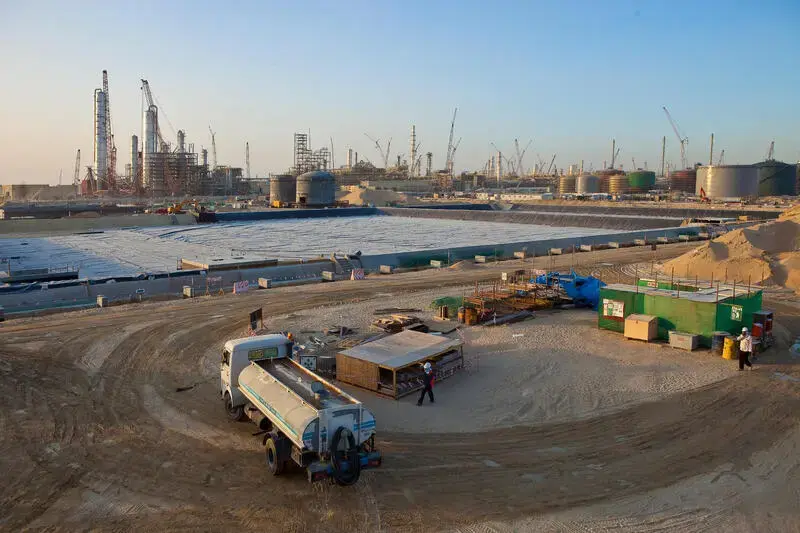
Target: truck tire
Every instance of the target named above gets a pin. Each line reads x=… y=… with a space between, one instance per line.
x=234 y=413
x=275 y=462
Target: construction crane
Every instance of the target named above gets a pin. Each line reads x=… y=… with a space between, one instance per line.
x=76 y=177
x=213 y=148
x=111 y=171
x=333 y=164
x=520 y=155
x=771 y=151
x=549 y=168
x=450 y=149
x=633 y=162
x=453 y=156
x=510 y=167
x=150 y=101
x=683 y=140
x=247 y=158
x=721 y=160
x=384 y=154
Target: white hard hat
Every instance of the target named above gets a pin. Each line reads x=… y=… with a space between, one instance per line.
x=426 y=366
x=744 y=330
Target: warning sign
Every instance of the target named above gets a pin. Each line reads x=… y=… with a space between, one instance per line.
x=736 y=313
x=613 y=308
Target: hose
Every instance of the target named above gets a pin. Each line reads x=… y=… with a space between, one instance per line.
x=351 y=455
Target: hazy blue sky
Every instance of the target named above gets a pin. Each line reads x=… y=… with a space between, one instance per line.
x=568 y=74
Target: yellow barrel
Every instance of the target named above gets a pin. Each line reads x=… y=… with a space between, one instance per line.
x=470 y=316
x=729 y=349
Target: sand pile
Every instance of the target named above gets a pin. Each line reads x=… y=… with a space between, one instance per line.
x=365 y=197
x=769 y=251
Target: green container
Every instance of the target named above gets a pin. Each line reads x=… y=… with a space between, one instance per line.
x=642 y=180
x=684 y=313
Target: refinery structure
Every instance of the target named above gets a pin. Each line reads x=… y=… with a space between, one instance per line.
x=163 y=166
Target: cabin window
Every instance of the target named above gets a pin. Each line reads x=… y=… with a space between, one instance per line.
x=226 y=357
x=262 y=353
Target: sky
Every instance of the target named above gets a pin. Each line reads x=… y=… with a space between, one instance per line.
x=570 y=75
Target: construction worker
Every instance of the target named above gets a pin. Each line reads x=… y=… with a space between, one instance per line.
x=745 y=349
x=428 y=379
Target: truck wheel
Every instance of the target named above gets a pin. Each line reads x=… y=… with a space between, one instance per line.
x=275 y=462
x=234 y=413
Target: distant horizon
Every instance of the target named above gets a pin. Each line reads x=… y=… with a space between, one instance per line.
x=571 y=77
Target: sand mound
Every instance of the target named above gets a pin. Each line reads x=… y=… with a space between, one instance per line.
x=761 y=252
x=364 y=197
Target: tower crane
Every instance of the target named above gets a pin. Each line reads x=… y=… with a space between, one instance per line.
x=520 y=155
x=683 y=140
x=76 y=178
x=213 y=148
x=450 y=148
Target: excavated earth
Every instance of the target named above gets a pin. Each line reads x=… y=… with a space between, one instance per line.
x=94 y=434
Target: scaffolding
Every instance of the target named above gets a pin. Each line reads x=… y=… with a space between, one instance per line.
x=306 y=159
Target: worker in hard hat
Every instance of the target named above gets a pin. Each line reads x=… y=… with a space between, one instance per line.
x=427 y=378
x=290 y=336
x=745 y=349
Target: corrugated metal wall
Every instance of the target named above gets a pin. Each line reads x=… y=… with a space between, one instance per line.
x=679 y=314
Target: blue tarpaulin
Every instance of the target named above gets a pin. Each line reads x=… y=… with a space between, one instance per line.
x=583 y=290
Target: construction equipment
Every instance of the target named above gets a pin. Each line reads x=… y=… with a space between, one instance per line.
x=683 y=140
x=771 y=151
x=384 y=154
x=549 y=168
x=111 y=173
x=450 y=150
x=721 y=160
x=703 y=198
x=76 y=179
x=302 y=417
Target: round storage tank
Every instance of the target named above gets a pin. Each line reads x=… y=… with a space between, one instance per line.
x=316 y=189
x=587 y=184
x=283 y=189
x=776 y=178
x=728 y=181
x=683 y=180
x=618 y=184
x=641 y=180
x=566 y=185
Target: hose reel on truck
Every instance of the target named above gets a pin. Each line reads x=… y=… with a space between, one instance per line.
x=304 y=418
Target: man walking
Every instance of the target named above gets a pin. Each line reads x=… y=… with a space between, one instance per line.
x=745 y=349
x=428 y=379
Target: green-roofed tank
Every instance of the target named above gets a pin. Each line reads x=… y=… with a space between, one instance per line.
x=641 y=180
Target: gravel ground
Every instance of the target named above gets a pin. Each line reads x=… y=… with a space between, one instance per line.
x=556 y=367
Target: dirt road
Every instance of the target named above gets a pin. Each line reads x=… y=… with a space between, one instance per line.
x=93 y=433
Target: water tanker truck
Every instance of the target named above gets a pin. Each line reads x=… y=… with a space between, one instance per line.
x=303 y=418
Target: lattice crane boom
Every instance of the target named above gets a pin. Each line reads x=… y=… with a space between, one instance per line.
x=681 y=139
x=76 y=176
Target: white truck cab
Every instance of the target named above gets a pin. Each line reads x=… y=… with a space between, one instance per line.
x=238 y=354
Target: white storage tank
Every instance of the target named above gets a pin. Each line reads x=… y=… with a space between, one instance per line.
x=316 y=189
x=587 y=184
x=283 y=189
x=728 y=181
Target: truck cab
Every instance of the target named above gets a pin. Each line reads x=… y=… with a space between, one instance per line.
x=236 y=356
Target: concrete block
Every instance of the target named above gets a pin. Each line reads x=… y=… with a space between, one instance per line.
x=481 y=259
x=613 y=244
x=663 y=240
x=102 y=301
x=586 y=248
x=521 y=255
x=435 y=263
x=386 y=269
x=188 y=291
x=684 y=238
x=640 y=242
x=704 y=235
x=264 y=283
x=556 y=251
x=327 y=275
